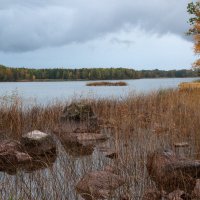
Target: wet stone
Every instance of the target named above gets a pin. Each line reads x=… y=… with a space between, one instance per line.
x=171 y=172
x=98 y=185
x=111 y=154
x=38 y=143
x=152 y=194
x=11 y=156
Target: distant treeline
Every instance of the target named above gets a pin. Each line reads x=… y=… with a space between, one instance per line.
x=26 y=74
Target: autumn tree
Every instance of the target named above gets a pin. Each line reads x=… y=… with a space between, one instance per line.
x=194 y=10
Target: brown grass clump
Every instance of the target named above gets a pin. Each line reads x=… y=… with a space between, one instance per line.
x=189 y=86
x=137 y=124
x=107 y=84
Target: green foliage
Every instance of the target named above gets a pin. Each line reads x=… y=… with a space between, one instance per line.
x=25 y=74
x=193 y=9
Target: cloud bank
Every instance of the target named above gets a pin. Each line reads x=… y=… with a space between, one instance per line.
x=28 y=25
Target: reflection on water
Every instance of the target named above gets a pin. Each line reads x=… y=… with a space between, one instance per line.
x=55 y=177
x=78 y=150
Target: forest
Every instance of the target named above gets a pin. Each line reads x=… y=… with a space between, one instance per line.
x=31 y=74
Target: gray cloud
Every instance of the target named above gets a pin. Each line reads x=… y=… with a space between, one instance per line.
x=116 y=40
x=28 y=25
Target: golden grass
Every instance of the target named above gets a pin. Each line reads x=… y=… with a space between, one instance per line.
x=103 y=83
x=189 y=86
x=138 y=124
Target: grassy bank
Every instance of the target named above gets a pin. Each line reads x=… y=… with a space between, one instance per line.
x=103 y=83
x=138 y=124
x=190 y=86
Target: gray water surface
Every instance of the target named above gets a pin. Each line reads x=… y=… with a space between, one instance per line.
x=45 y=92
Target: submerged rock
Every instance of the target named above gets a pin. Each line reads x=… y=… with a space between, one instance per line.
x=38 y=143
x=12 y=156
x=152 y=194
x=80 y=144
x=196 y=191
x=98 y=185
x=171 y=172
x=40 y=162
x=91 y=137
x=111 y=154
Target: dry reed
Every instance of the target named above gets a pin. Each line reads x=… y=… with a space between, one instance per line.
x=138 y=124
x=107 y=84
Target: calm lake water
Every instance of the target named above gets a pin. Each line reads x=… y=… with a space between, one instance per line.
x=46 y=92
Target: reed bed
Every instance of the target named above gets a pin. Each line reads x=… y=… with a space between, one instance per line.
x=107 y=84
x=190 y=86
x=138 y=124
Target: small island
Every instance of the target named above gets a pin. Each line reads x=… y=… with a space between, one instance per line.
x=103 y=83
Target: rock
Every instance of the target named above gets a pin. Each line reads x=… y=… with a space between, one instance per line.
x=11 y=156
x=80 y=144
x=125 y=197
x=38 y=143
x=78 y=112
x=81 y=138
x=112 y=168
x=91 y=137
x=83 y=115
x=73 y=146
x=99 y=184
x=40 y=162
x=152 y=194
x=171 y=172
x=196 y=191
x=111 y=154
x=178 y=195
x=78 y=150
x=181 y=144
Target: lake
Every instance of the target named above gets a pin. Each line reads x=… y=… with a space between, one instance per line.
x=46 y=92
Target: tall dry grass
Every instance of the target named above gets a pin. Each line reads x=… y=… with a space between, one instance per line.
x=138 y=124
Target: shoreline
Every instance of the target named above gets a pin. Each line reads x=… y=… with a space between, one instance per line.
x=90 y=80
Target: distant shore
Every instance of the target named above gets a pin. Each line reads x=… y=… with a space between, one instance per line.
x=10 y=74
x=90 y=80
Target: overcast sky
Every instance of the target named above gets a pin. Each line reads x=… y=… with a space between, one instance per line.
x=142 y=34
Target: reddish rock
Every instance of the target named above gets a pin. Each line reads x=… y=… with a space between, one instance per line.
x=178 y=195
x=11 y=156
x=152 y=194
x=170 y=172
x=196 y=191
x=99 y=184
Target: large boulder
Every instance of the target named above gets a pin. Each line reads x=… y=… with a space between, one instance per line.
x=82 y=114
x=98 y=185
x=80 y=144
x=74 y=147
x=12 y=156
x=171 y=172
x=78 y=112
x=40 y=163
x=38 y=143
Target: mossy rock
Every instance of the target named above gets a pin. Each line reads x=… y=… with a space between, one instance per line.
x=77 y=112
